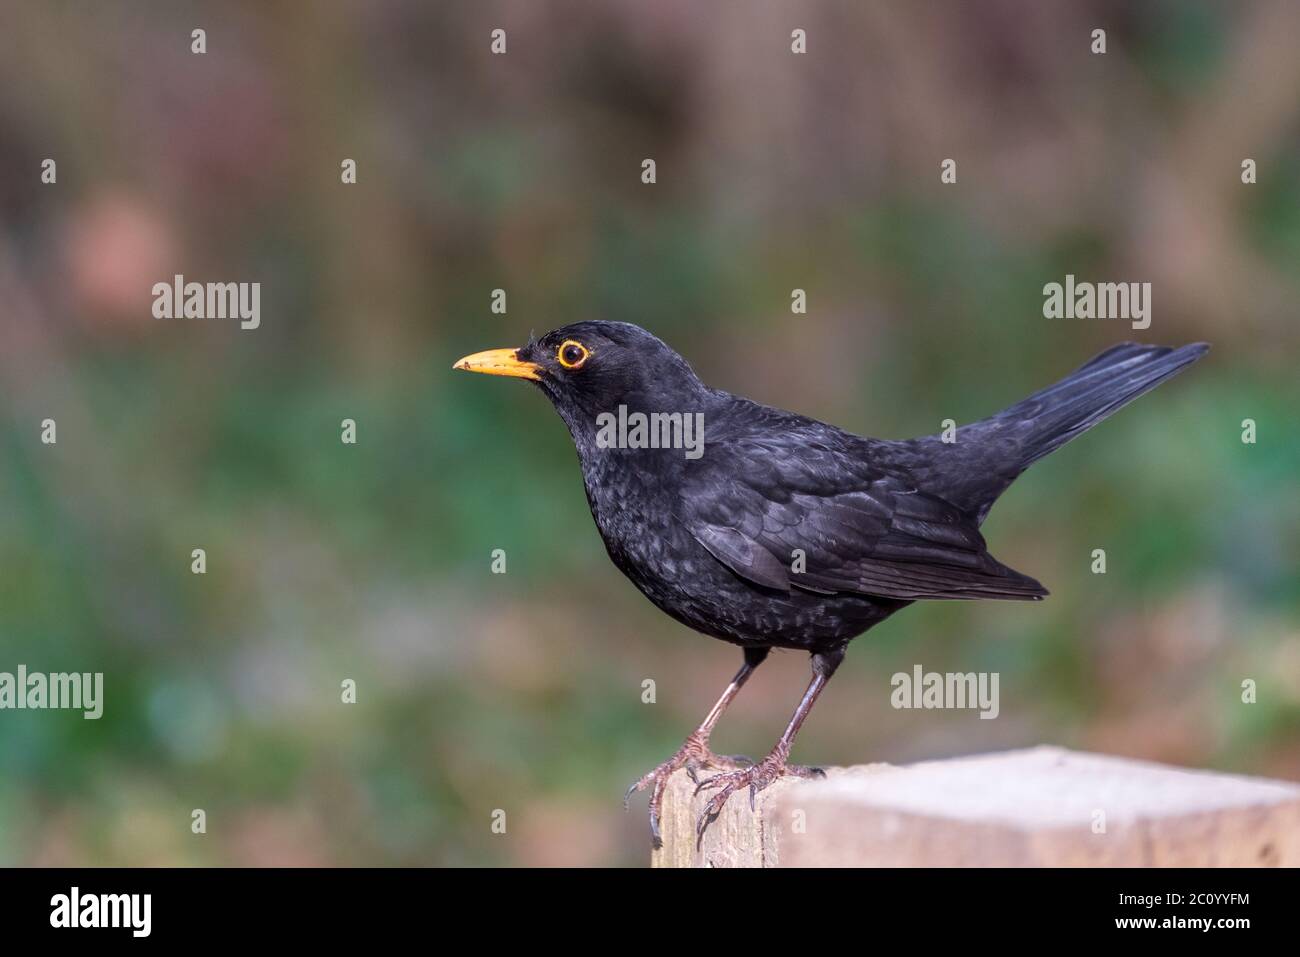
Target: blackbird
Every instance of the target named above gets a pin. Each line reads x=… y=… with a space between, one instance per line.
x=779 y=531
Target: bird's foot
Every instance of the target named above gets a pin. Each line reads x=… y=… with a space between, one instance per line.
x=694 y=755
x=756 y=777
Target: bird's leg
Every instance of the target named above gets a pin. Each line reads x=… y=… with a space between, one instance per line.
x=758 y=776
x=694 y=752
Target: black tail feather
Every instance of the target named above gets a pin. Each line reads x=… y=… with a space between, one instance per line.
x=989 y=454
x=1100 y=387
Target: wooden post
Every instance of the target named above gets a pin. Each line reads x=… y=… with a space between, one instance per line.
x=1037 y=807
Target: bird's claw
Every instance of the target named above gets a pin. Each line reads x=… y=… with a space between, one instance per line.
x=694 y=755
x=756 y=777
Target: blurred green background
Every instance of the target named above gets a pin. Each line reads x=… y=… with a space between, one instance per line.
x=523 y=691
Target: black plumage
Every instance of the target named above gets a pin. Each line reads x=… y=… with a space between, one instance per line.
x=786 y=532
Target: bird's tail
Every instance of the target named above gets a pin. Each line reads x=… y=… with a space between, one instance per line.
x=1101 y=387
x=1020 y=435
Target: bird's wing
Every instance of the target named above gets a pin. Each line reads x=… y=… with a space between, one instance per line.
x=821 y=520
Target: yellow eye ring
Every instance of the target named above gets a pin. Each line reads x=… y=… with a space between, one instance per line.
x=572 y=354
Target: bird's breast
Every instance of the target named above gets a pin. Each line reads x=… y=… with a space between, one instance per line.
x=634 y=507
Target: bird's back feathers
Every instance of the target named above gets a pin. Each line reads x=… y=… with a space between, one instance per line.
x=798 y=504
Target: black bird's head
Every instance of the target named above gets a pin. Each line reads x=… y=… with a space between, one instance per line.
x=590 y=368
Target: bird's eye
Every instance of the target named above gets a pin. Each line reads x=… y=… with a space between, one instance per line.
x=572 y=354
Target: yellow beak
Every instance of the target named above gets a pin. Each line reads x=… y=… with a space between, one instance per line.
x=500 y=362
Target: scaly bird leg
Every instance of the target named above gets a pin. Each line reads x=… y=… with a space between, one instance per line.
x=758 y=776
x=694 y=752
